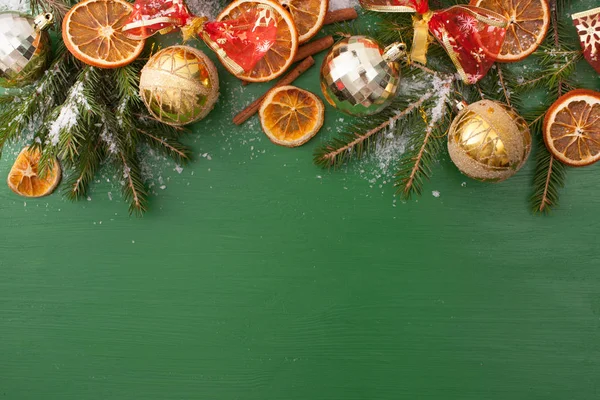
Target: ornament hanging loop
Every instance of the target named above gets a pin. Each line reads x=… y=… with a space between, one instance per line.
x=394 y=52
x=43 y=22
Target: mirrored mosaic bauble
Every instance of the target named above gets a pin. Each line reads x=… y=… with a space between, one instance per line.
x=357 y=77
x=25 y=50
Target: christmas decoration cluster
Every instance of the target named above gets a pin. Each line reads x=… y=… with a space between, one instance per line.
x=260 y=40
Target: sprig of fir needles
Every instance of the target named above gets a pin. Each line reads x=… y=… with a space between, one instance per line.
x=557 y=60
x=88 y=118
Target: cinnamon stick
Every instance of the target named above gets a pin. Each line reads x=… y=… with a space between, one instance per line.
x=314 y=47
x=253 y=108
x=344 y=14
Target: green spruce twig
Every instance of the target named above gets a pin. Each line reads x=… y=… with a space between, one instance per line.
x=343 y=149
x=416 y=166
x=550 y=174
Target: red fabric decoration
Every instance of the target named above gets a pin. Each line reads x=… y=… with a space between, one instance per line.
x=588 y=28
x=151 y=16
x=240 y=42
x=472 y=36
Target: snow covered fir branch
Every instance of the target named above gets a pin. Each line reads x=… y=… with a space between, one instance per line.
x=89 y=118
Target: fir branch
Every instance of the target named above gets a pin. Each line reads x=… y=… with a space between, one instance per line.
x=28 y=109
x=415 y=168
x=134 y=190
x=127 y=81
x=341 y=150
x=71 y=121
x=549 y=177
x=550 y=174
x=503 y=85
x=166 y=145
x=6 y=99
x=88 y=163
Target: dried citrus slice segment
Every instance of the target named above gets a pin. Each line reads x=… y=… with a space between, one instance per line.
x=308 y=15
x=281 y=55
x=528 y=22
x=290 y=116
x=23 y=178
x=572 y=128
x=92 y=33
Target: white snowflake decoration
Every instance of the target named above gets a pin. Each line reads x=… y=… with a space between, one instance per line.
x=467 y=23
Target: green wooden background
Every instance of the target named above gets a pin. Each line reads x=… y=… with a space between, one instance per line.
x=257 y=275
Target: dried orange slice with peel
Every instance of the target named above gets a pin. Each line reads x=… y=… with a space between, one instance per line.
x=23 y=178
x=92 y=33
x=281 y=55
x=528 y=23
x=291 y=116
x=308 y=15
x=572 y=128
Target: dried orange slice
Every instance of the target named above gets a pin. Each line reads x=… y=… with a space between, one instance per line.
x=572 y=128
x=23 y=177
x=281 y=55
x=290 y=116
x=92 y=33
x=308 y=15
x=528 y=22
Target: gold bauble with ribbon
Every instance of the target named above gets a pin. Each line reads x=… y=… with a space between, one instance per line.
x=488 y=141
x=25 y=49
x=179 y=85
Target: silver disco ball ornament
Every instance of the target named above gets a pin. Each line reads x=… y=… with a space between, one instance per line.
x=359 y=77
x=25 y=50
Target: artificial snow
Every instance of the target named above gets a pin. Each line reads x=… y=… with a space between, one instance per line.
x=69 y=113
x=205 y=8
x=14 y=5
x=339 y=4
x=108 y=138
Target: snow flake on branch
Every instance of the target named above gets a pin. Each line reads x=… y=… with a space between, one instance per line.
x=70 y=112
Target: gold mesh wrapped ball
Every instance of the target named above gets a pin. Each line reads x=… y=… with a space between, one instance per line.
x=358 y=77
x=25 y=49
x=489 y=141
x=179 y=85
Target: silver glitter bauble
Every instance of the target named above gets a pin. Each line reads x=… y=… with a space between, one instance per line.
x=25 y=50
x=359 y=77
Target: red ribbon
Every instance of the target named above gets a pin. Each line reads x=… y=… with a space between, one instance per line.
x=241 y=43
x=472 y=36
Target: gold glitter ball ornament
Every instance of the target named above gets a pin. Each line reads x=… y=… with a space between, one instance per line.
x=359 y=77
x=25 y=49
x=179 y=85
x=488 y=141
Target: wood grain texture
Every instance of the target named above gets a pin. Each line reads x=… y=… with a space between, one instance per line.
x=259 y=276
